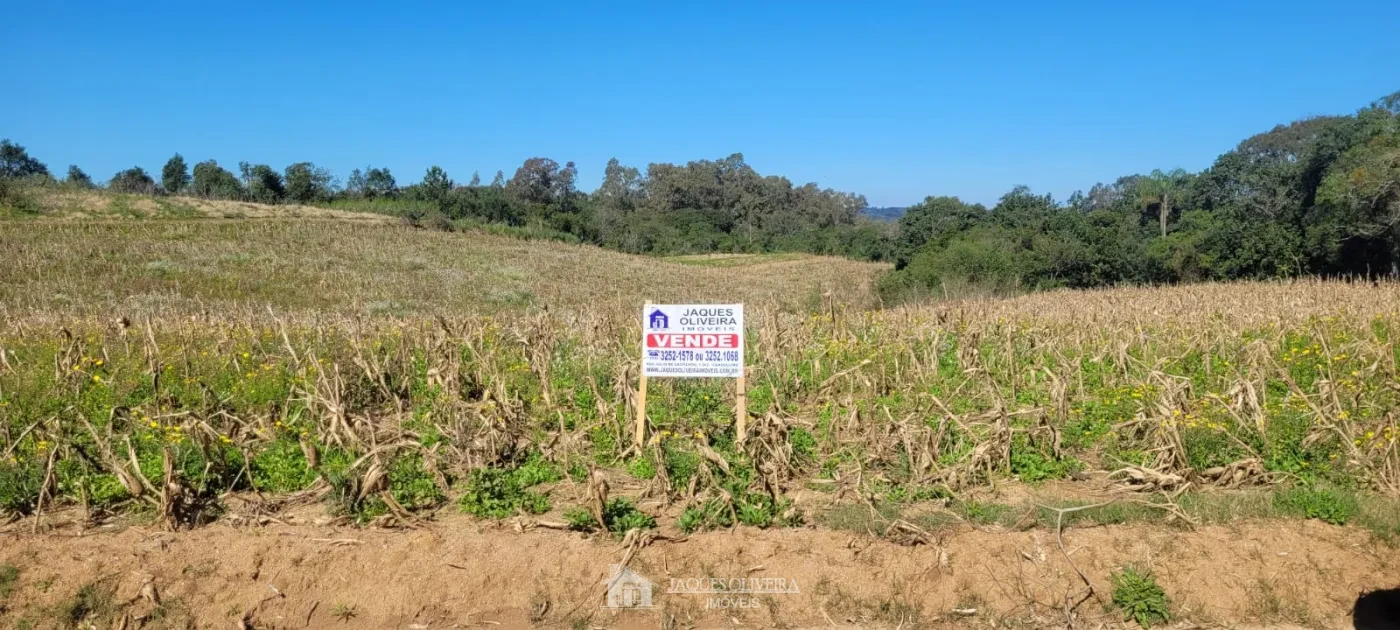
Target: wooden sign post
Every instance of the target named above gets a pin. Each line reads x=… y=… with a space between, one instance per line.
x=640 y=436
x=693 y=341
x=741 y=409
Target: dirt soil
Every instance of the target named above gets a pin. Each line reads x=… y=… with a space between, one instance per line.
x=462 y=573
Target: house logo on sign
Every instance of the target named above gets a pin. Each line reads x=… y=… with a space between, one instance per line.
x=626 y=588
x=658 y=320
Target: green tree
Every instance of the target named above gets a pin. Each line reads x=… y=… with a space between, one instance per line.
x=936 y=220
x=77 y=178
x=537 y=181
x=355 y=185
x=175 y=175
x=620 y=196
x=437 y=185
x=15 y=161
x=212 y=181
x=1358 y=229
x=374 y=182
x=1161 y=190
x=264 y=185
x=133 y=180
x=305 y=182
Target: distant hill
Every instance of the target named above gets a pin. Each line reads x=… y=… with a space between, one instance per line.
x=186 y=254
x=891 y=213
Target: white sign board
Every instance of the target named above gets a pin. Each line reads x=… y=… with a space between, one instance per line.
x=693 y=340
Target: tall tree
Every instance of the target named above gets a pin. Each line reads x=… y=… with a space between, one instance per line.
x=175 y=175
x=476 y=180
x=379 y=183
x=355 y=185
x=536 y=181
x=437 y=185
x=1356 y=228
x=15 y=161
x=1161 y=189
x=616 y=201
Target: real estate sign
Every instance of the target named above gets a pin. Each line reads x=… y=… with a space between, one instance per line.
x=693 y=340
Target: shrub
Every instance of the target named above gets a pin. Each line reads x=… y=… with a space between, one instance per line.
x=133 y=180
x=16 y=197
x=212 y=181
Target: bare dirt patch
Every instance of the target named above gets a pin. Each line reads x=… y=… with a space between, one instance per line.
x=459 y=572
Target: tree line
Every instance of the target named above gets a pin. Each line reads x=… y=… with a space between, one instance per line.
x=1319 y=196
x=1316 y=196
x=702 y=206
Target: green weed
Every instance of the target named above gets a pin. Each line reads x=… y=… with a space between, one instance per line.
x=19 y=487
x=282 y=467
x=1140 y=598
x=343 y=612
x=620 y=515
x=501 y=493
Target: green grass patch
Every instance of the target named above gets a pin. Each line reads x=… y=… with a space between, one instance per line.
x=1332 y=505
x=9 y=579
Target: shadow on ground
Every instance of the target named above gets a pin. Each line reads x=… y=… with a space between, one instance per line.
x=1377 y=610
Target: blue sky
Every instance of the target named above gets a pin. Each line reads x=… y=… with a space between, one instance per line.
x=892 y=100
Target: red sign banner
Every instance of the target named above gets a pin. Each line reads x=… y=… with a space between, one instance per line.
x=692 y=340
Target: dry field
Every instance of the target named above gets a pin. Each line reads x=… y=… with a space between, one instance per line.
x=175 y=268
x=68 y=204
x=244 y=413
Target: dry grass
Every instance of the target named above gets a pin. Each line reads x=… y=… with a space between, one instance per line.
x=180 y=267
x=73 y=204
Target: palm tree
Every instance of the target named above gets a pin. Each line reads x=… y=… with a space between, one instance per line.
x=1161 y=189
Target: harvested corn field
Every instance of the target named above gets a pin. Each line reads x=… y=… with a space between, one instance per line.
x=1173 y=410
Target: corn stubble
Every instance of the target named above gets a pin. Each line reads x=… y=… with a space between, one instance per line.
x=1152 y=390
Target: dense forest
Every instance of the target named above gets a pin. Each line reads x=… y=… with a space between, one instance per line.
x=1317 y=196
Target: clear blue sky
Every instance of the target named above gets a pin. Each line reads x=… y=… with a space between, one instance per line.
x=895 y=101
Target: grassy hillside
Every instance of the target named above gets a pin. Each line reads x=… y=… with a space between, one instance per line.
x=370 y=267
